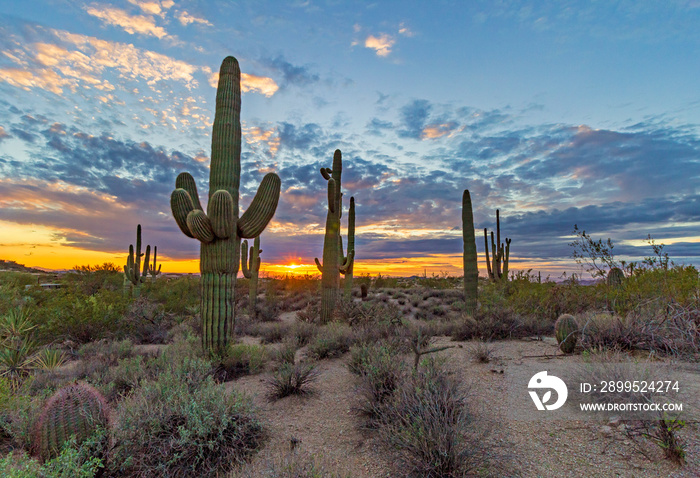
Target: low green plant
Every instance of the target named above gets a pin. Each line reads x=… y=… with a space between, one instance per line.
x=241 y=359
x=332 y=340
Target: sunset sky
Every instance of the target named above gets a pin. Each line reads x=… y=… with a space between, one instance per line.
x=556 y=112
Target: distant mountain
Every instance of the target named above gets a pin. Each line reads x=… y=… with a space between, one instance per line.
x=13 y=266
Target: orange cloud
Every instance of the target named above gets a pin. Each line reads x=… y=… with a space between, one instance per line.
x=130 y=23
x=381 y=44
x=257 y=84
x=153 y=7
x=434 y=131
x=185 y=18
x=45 y=78
x=256 y=136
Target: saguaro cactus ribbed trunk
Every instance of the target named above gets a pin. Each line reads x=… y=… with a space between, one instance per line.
x=471 y=270
x=251 y=270
x=220 y=229
x=351 y=247
x=332 y=264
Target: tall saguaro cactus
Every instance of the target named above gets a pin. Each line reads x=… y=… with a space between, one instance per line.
x=220 y=229
x=333 y=263
x=133 y=276
x=497 y=267
x=251 y=269
x=471 y=270
x=351 y=247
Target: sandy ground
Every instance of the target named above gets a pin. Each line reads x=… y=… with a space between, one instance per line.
x=323 y=425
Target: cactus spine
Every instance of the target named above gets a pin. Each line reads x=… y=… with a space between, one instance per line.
x=471 y=270
x=333 y=263
x=220 y=229
x=497 y=267
x=351 y=247
x=76 y=410
x=566 y=332
x=251 y=269
x=615 y=277
x=133 y=276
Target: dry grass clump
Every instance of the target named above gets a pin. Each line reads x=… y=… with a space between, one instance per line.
x=291 y=379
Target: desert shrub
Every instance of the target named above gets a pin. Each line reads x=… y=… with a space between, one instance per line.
x=183 y=424
x=311 y=313
x=291 y=379
x=146 y=321
x=380 y=369
x=481 y=352
x=493 y=324
x=178 y=296
x=332 y=340
x=429 y=426
x=72 y=462
x=287 y=352
x=303 y=332
x=239 y=360
x=269 y=332
x=65 y=315
x=18 y=411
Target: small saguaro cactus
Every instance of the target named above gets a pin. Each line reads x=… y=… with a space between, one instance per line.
x=566 y=331
x=497 y=267
x=76 y=410
x=133 y=276
x=220 y=229
x=152 y=268
x=471 y=270
x=251 y=269
x=332 y=265
x=615 y=277
x=351 y=247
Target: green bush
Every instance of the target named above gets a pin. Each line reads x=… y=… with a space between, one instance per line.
x=291 y=379
x=71 y=463
x=332 y=340
x=183 y=424
x=241 y=359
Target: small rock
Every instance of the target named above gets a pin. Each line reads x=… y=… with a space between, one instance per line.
x=605 y=430
x=614 y=421
x=622 y=427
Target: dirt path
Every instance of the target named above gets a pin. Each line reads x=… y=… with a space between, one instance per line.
x=326 y=427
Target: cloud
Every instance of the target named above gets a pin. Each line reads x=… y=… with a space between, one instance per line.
x=153 y=7
x=434 y=131
x=132 y=24
x=413 y=117
x=186 y=19
x=291 y=74
x=257 y=84
x=267 y=139
x=68 y=60
x=405 y=31
x=3 y=134
x=381 y=44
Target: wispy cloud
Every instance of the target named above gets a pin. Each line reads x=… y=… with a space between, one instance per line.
x=381 y=44
x=153 y=7
x=134 y=24
x=186 y=19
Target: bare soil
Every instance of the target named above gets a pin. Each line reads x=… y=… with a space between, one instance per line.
x=324 y=426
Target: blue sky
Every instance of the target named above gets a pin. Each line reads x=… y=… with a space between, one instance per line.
x=558 y=113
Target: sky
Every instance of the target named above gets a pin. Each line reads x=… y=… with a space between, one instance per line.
x=557 y=113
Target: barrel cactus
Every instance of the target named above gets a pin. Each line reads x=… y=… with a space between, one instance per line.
x=333 y=260
x=220 y=229
x=471 y=270
x=76 y=410
x=615 y=277
x=251 y=270
x=133 y=275
x=566 y=331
